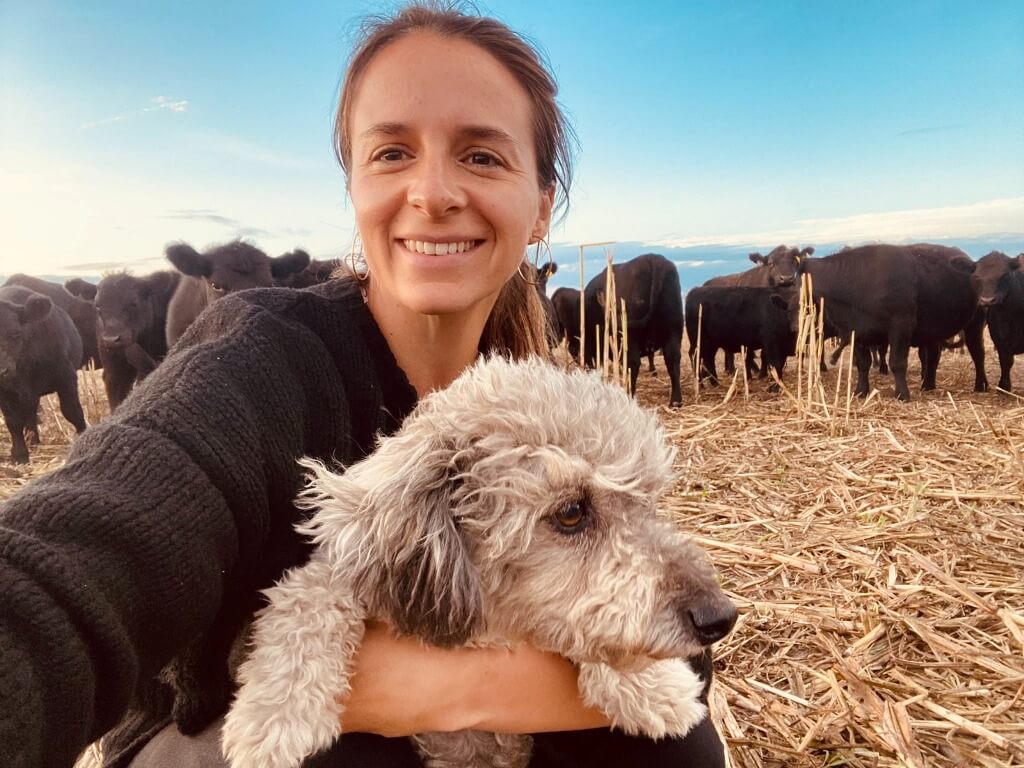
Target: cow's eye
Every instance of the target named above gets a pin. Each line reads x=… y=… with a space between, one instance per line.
x=217 y=287
x=573 y=517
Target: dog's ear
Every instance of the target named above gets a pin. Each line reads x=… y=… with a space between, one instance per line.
x=411 y=563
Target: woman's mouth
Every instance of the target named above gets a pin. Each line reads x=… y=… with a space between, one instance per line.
x=429 y=248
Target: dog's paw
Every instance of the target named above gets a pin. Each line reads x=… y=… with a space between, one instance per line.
x=661 y=699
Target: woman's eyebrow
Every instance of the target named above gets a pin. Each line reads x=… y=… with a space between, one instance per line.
x=483 y=132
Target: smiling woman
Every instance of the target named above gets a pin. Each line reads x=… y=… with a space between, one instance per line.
x=176 y=511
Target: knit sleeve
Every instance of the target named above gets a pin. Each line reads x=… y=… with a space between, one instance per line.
x=113 y=564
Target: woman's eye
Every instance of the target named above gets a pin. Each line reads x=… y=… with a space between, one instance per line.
x=572 y=516
x=484 y=159
x=389 y=155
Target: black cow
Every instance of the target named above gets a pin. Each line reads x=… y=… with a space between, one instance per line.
x=906 y=296
x=131 y=328
x=40 y=352
x=731 y=317
x=78 y=307
x=776 y=270
x=566 y=304
x=540 y=276
x=654 y=304
x=999 y=282
x=219 y=271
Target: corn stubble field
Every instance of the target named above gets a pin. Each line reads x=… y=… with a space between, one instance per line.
x=875 y=550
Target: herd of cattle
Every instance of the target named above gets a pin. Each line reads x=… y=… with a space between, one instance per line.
x=889 y=297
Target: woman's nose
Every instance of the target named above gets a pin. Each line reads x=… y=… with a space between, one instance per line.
x=435 y=189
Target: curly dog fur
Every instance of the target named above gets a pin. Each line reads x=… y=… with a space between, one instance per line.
x=518 y=504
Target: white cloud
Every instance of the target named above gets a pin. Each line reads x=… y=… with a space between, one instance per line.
x=162 y=102
x=989 y=217
x=97 y=123
x=159 y=103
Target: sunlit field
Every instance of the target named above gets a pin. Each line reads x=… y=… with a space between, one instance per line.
x=875 y=550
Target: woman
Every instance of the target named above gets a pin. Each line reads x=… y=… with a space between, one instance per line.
x=141 y=557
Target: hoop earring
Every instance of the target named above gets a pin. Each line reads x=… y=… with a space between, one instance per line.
x=536 y=252
x=361 y=275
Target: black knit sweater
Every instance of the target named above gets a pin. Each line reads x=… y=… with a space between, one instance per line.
x=143 y=554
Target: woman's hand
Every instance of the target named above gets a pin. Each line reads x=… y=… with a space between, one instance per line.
x=401 y=686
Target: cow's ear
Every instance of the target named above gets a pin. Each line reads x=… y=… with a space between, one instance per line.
x=779 y=302
x=412 y=565
x=757 y=258
x=548 y=270
x=188 y=260
x=808 y=251
x=289 y=264
x=83 y=289
x=36 y=308
x=1018 y=262
x=600 y=298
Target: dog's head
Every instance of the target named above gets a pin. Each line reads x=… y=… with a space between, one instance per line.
x=521 y=502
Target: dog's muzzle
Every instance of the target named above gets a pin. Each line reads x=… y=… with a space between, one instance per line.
x=712 y=617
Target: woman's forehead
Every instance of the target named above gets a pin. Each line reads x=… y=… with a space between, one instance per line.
x=426 y=78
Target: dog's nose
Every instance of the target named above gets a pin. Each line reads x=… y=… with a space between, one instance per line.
x=713 y=616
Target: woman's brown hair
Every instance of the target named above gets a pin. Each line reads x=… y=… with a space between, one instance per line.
x=517 y=325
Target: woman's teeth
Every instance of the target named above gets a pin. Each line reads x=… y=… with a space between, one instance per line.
x=438 y=249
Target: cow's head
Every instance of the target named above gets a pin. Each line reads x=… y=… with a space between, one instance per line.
x=125 y=306
x=16 y=321
x=543 y=273
x=992 y=277
x=783 y=264
x=787 y=301
x=234 y=266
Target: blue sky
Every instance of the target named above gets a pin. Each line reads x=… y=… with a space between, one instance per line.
x=706 y=129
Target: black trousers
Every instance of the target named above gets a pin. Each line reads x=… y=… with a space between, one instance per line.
x=599 y=748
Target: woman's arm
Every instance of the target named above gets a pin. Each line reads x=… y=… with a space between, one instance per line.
x=401 y=687
x=121 y=559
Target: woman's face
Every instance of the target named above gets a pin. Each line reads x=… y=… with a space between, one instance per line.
x=443 y=174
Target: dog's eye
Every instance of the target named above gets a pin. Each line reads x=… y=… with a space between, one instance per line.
x=572 y=516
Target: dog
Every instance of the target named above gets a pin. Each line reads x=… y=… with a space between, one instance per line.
x=518 y=504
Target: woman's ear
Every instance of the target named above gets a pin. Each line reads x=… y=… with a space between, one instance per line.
x=543 y=222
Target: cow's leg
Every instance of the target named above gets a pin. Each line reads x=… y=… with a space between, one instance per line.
x=1005 y=364
x=32 y=424
x=975 y=343
x=118 y=378
x=672 y=352
x=844 y=342
x=634 y=359
x=730 y=363
x=929 y=354
x=777 y=360
x=14 y=417
x=70 y=405
x=862 y=358
x=650 y=363
x=708 y=370
x=899 y=349
x=881 y=350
